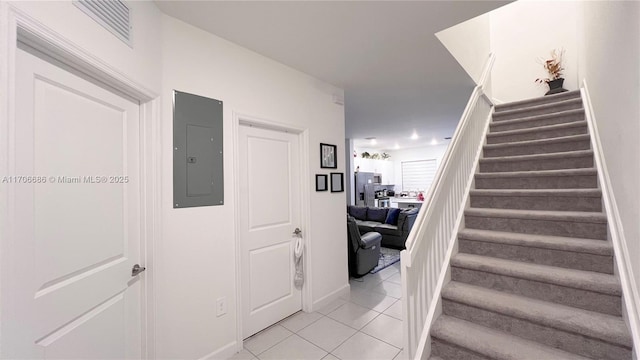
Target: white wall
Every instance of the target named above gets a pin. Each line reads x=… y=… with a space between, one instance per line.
x=523 y=31
x=420 y=153
x=609 y=61
x=196 y=261
x=469 y=43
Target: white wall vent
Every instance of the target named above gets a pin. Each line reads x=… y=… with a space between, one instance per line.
x=113 y=15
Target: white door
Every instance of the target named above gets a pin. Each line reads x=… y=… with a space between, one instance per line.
x=269 y=214
x=68 y=289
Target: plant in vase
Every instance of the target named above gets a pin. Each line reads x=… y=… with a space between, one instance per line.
x=554 y=67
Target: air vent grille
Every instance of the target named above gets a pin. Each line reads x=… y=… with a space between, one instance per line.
x=113 y=15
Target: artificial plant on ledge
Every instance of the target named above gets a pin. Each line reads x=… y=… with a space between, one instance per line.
x=554 y=67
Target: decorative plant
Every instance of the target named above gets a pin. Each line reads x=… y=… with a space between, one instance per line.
x=385 y=156
x=553 y=66
x=366 y=155
x=375 y=156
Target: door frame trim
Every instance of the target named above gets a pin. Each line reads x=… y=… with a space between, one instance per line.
x=240 y=119
x=17 y=25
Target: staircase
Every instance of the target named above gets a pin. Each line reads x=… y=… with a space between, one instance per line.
x=533 y=276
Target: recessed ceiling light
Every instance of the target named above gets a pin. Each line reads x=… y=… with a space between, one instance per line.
x=414 y=136
x=434 y=141
x=373 y=141
x=397 y=146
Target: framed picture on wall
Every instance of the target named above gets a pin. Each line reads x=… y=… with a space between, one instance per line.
x=337 y=182
x=328 y=156
x=321 y=182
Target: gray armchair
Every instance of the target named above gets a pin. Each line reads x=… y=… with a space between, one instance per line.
x=364 y=250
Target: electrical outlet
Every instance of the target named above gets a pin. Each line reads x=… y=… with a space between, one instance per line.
x=221 y=306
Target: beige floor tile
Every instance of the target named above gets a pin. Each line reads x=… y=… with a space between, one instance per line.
x=242 y=355
x=372 y=300
x=353 y=315
x=332 y=306
x=395 y=310
x=327 y=333
x=265 y=339
x=362 y=346
x=388 y=288
x=294 y=348
x=395 y=278
x=300 y=320
x=387 y=329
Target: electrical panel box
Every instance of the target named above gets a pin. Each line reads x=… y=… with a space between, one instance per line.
x=198 y=176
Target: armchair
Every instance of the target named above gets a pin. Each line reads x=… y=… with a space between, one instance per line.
x=364 y=250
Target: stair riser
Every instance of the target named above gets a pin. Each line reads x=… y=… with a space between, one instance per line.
x=560 y=339
x=560 y=203
x=550 y=257
x=567 y=228
x=582 y=299
x=536 y=135
x=502 y=115
x=501 y=126
x=448 y=351
x=542 y=100
x=539 y=182
x=557 y=163
x=538 y=149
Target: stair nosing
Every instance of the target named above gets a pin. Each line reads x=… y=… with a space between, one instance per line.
x=559 y=140
x=439 y=331
x=538 y=117
x=529 y=157
x=541 y=173
x=549 y=215
x=549 y=314
x=607 y=284
x=573 y=124
x=538 y=107
x=559 y=243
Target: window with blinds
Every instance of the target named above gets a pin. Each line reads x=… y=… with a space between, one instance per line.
x=418 y=175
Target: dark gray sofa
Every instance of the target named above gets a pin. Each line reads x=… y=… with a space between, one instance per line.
x=394 y=235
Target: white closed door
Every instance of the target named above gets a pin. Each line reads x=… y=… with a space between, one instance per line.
x=68 y=289
x=269 y=213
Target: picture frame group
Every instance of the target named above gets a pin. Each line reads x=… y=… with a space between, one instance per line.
x=333 y=181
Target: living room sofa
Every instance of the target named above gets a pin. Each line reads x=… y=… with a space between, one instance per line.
x=394 y=227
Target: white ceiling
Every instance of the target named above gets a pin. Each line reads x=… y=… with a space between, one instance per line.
x=396 y=74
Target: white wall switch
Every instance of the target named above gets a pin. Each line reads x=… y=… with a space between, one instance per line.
x=221 y=306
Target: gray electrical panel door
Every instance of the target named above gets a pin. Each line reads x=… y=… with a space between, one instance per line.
x=198 y=177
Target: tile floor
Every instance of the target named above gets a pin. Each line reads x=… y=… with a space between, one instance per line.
x=367 y=325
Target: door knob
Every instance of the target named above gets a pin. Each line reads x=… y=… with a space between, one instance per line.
x=297 y=232
x=137 y=269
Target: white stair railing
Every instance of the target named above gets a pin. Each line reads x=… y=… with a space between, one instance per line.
x=430 y=243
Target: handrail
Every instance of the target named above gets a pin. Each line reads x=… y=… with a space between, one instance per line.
x=430 y=243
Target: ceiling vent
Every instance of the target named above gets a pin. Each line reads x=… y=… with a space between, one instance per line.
x=113 y=15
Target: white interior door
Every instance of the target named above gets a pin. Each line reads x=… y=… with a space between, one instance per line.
x=67 y=273
x=269 y=214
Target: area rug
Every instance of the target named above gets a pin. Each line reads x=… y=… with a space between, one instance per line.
x=387 y=258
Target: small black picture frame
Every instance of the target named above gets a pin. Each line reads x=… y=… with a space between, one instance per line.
x=321 y=182
x=328 y=156
x=337 y=182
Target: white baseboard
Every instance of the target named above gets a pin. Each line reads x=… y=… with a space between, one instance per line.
x=342 y=292
x=222 y=353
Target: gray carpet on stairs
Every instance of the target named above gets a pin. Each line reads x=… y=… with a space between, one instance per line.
x=534 y=274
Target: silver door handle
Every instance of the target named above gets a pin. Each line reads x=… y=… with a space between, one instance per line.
x=297 y=232
x=137 y=269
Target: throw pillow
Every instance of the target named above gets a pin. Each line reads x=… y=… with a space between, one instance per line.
x=392 y=217
x=377 y=214
x=358 y=212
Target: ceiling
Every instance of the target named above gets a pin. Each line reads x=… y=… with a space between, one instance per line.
x=397 y=76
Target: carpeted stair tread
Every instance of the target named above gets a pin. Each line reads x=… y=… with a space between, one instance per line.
x=492 y=343
x=562 y=105
x=587 y=246
x=576 y=216
x=611 y=329
x=538 y=192
x=562 y=155
x=553 y=127
x=540 y=173
x=576 y=279
x=537 y=142
x=538 y=101
x=559 y=117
